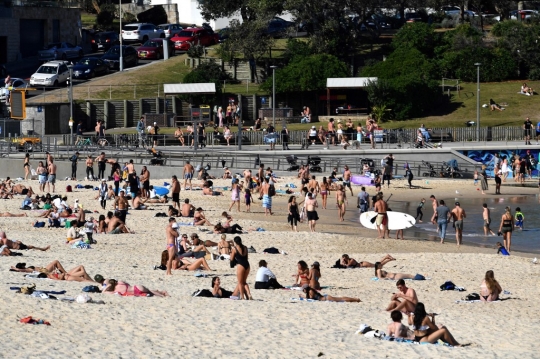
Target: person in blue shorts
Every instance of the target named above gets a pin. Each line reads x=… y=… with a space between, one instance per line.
x=519 y=218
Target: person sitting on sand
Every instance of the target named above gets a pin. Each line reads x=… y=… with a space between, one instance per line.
x=315 y=275
x=8 y=214
x=184 y=264
x=199 y=219
x=265 y=279
x=302 y=277
x=102 y=226
x=425 y=330
x=219 y=292
x=72 y=233
x=226 y=173
x=116 y=226
x=490 y=288
x=225 y=246
x=313 y=294
x=396 y=329
x=138 y=204
x=17 y=244
x=173 y=212
x=56 y=271
x=163 y=199
x=208 y=191
x=188 y=210
x=404 y=300
x=387 y=275
x=348 y=262
x=112 y=286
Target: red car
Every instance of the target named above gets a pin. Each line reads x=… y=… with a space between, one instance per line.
x=194 y=36
x=153 y=49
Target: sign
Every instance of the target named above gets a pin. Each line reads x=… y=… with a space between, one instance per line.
x=264 y=100
x=378 y=134
x=40 y=109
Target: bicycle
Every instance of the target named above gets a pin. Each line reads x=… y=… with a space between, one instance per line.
x=127 y=142
x=85 y=143
x=145 y=141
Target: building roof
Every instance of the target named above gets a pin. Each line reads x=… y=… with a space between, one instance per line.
x=197 y=88
x=349 y=82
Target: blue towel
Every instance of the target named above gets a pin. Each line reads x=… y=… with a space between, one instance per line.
x=57 y=292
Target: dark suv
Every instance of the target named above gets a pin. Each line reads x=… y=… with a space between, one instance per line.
x=129 y=57
x=103 y=41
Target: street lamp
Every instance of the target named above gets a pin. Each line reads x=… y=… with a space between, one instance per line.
x=273 y=96
x=71 y=104
x=121 y=65
x=477 y=101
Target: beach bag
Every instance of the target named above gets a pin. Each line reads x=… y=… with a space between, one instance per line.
x=271 y=250
x=448 y=286
x=338 y=264
x=69 y=188
x=271 y=190
x=91 y=289
x=473 y=296
x=203 y=293
x=39 y=224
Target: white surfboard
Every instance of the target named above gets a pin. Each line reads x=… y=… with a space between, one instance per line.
x=396 y=220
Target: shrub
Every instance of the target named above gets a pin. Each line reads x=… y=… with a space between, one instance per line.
x=106 y=15
x=534 y=74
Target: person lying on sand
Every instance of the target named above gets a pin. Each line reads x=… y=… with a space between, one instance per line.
x=56 y=271
x=387 y=275
x=313 y=294
x=17 y=244
x=348 y=262
x=184 y=264
x=112 y=286
x=20 y=189
x=7 y=214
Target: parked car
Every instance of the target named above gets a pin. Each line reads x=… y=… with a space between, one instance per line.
x=277 y=27
x=52 y=73
x=16 y=83
x=223 y=34
x=523 y=14
x=141 y=32
x=60 y=51
x=153 y=49
x=104 y=40
x=129 y=56
x=194 y=36
x=90 y=67
x=170 y=29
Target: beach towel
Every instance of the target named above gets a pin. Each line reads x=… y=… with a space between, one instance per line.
x=267 y=201
x=303 y=300
x=419 y=276
x=57 y=292
x=30 y=320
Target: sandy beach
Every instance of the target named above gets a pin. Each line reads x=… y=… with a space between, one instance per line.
x=273 y=325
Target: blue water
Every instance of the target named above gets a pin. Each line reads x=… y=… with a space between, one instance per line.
x=527 y=241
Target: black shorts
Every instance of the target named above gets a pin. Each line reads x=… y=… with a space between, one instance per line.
x=176 y=197
x=146 y=185
x=24 y=191
x=526 y=132
x=312 y=138
x=312 y=215
x=305 y=180
x=23 y=246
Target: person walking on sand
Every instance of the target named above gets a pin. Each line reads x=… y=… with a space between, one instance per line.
x=458 y=215
x=51 y=170
x=483 y=179
x=235 y=195
x=435 y=204
x=26 y=166
x=171 y=234
x=187 y=173
x=381 y=207
x=266 y=198
x=175 y=189
x=404 y=300
x=239 y=258
x=443 y=217
x=341 y=202
x=294 y=215
x=347 y=178
x=486 y=215
x=311 y=212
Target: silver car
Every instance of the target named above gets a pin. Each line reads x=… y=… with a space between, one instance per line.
x=60 y=51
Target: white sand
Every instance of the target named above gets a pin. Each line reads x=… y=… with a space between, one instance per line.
x=273 y=326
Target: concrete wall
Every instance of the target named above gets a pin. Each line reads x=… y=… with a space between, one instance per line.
x=35 y=121
x=69 y=28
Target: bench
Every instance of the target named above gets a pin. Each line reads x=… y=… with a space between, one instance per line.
x=440 y=137
x=281 y=120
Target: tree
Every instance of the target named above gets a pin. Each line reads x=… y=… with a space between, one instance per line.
x=307 y=74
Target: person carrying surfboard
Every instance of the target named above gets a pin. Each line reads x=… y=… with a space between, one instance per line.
x=381 y=208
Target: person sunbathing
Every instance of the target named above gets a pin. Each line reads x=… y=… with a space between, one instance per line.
x=225 y=246
x=7 y=214
x=17 y=244
x=348 y=262
x=315 y=275
x=388 y=275
x=219 y=292
x=396 y=329
x=302 y=276
x=164 y=199
x=313 y=294
x=494 y=106
x=112 y=286
x=56 y=271
x=208 y=191
x=425 y=330
x=20 y=189
x=490 y=288
x=184 y=264
x=526 y=90
x=404 y=300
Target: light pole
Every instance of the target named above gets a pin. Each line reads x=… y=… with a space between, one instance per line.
x=121 y=64
x=273 y=96
x=71 y=105
x=477 y=101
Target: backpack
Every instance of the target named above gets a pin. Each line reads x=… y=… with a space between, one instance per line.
x=448 y=286
x=472 y=296
x=271 y=190
x=91 y=289
x=69 y=188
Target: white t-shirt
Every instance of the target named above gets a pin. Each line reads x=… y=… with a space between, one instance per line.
x=89 y=227
x=58 y=203
x=264 y=274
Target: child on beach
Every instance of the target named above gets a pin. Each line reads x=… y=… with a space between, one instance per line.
x=419 y=212
x=502 y=250
x=248 y=198
x=475 y=177
x=396 y=329
x=519 y=218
